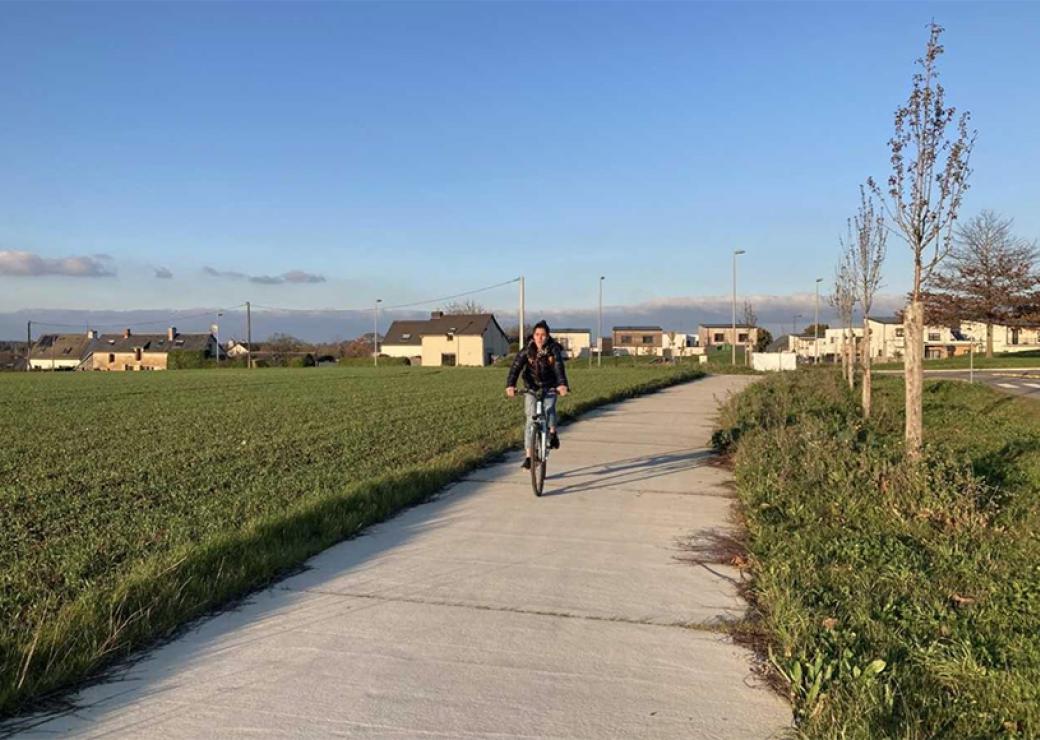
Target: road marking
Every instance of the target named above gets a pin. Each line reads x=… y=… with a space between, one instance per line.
x=1032 y=385
x=1007 y=385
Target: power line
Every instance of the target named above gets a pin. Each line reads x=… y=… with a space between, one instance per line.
x=122 y=325
x=366 y=309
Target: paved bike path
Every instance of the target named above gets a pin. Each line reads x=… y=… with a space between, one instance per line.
x=489 y=612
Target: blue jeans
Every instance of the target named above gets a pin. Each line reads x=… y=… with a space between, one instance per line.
x=550 y=415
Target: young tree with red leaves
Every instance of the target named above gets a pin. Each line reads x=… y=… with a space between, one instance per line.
x=929 y=178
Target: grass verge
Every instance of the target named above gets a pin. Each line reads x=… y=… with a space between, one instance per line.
x=229 y=479
x=897 y=600
x=1010 y=360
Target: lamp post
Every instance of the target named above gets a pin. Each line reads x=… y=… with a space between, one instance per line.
x=375 y=333
x=216 y=334
x=599 y=330
x=733 y=336
x=816 y=325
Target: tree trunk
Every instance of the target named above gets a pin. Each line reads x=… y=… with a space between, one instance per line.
x=989 y=339
x=850 y=352
x=867 y=389
x=844 y=354
x=913 y=367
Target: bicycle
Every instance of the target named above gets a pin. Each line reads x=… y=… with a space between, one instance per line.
x=540 y=453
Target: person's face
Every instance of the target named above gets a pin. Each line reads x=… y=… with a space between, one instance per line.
x=539 y=337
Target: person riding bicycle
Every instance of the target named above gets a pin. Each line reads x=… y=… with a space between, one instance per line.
x=540 y=364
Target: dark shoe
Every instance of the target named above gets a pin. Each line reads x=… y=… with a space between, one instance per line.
x=526 y=464
x=554 y=441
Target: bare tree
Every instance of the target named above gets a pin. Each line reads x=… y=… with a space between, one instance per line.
x=868 y=237
x=929 y=178
x=750 y=320
x=844 y=301
x=468 y=306
x=991 y=276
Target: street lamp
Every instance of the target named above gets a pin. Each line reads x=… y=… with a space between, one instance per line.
x=599 y=330
x=375 y=333
x=733 y=336
x=816 y=324
x=216 y=333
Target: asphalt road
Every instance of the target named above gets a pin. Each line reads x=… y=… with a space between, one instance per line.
x=1016 y=382
x=599 y=610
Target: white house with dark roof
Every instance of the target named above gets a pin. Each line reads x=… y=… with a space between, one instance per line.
x=61 y=351
x=472 y=340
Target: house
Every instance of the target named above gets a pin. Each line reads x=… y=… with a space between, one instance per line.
x=129 y=351
x=831 y=343
x=638 y=340
x=575 y=342
x=61 y=351
x=679 y=344
x=888 y=340
x=472 y=340
x=12 y=356
x=235 y=348
x=718 y=335
x=1005 y=338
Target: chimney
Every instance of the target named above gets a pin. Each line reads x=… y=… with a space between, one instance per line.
x=91 y=333
x=171 y=333
x=126 y=333
x=436 y=314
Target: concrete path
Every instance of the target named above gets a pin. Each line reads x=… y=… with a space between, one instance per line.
x=488 y=612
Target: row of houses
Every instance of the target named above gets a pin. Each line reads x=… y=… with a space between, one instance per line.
x=117 y=352
x=478 y=339
x=887 y=340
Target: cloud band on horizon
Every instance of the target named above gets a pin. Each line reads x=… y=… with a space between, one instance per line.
x=26 y=264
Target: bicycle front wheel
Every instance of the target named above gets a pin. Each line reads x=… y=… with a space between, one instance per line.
x=538 y=470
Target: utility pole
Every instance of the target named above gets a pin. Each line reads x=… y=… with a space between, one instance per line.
x=599 y=330
x=216 y=334
x=816 y=325
x=249 y=336
x=375 y=333
x=28 y=347
x=520 y=340
x=733 y=337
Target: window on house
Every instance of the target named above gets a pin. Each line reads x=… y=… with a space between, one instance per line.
x=741 y=337
x=648 y=339
x=448 y=360
x=899 y=332
x=137 y=354
x=406 y=337
x=626 y=339
x=719 y=337
x=933 y=336
x=111 y=358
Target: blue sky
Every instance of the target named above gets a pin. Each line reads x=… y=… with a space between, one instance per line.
x=340 y=152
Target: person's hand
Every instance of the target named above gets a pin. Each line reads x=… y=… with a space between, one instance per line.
x=562 y=390
x=511 y=391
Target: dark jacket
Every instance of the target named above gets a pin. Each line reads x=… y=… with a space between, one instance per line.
x=539 y=369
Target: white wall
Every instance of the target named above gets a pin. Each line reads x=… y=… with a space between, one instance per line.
x=774 y=361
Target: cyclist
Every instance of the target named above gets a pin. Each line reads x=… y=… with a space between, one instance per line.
x=540 y=364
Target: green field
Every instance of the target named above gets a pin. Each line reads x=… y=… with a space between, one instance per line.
x=896 y=600
x=1005 y=360
x=132 y=502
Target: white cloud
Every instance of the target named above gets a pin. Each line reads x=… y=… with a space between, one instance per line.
x=163 y=273
x=27 y=264
x=292 y=276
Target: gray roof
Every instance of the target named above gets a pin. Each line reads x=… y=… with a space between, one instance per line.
x=638 y=328
x=152 y=342
x=61 y=347
x=412 y=332
x=571 y=331
x=887 y=320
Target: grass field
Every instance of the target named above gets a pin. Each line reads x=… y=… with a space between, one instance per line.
x=897 y=600
x=132 y=502
x=1008 y=360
